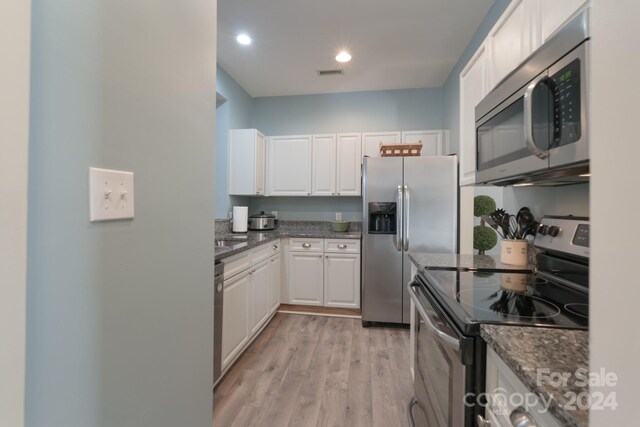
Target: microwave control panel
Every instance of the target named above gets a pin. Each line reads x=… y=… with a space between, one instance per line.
x=566 y=108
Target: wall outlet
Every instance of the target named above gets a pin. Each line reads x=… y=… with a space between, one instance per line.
x=338 y=216
x=110 y=194
x=275 y=214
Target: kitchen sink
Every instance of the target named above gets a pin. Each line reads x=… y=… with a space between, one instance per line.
x=231 y=243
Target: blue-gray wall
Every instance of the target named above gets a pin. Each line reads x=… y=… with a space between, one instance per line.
x=451 y=88
x=373 y=111
x=120 y=314
x=235 y=113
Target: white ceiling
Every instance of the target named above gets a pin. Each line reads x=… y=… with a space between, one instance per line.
x=395 y=44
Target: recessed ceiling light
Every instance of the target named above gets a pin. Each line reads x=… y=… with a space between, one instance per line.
x=243 y=39
x=343 y=56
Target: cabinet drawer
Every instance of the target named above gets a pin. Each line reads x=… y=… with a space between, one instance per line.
x=342 y=245
x=265 y=251
x=235 y=264
x=306 y=245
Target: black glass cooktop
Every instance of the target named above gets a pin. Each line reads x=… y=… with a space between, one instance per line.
x=473 y=298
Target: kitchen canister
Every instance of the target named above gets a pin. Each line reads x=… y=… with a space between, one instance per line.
x=514 y=252
x=240 y=219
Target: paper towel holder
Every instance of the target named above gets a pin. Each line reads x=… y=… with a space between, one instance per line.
x=240 y=219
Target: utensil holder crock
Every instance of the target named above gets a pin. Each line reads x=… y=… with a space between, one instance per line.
x=514 y=252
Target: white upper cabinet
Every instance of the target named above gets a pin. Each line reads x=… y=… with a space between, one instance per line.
x=371 y=142
x=323 y=180
x=473 y=87
x=431 y=141
x=289 y=165
x=553 y=14
x=246 y=162
x=510 y=40
x=349 y=170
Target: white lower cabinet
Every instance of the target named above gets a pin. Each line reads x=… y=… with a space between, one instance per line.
x=502 y=384
x=251 y=296
x=341 y=273
x=260 y=284
x=235 y=316
x=305 y=278
x=274 y=270
x=324 y=272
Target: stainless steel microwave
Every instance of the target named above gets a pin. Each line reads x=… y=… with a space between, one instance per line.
x=533 y=126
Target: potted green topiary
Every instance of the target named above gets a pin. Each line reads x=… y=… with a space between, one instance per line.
x=484 y=238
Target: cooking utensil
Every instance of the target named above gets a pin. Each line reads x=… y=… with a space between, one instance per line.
x=498 y=217
x=525 y=219
x=513 y=227
x=491 y=223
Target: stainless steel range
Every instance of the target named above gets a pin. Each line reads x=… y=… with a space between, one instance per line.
x=452 y=304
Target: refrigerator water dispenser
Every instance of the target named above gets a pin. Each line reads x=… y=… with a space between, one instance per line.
x=382 y=218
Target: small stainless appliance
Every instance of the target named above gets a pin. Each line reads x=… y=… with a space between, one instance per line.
x=218 y=297
x=450 y=356
x=409 y=204
x=262 y=221
x=532 y=127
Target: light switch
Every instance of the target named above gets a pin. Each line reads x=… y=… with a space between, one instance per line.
x=110 y=194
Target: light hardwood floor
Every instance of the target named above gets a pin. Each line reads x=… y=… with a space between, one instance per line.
x=305 y=371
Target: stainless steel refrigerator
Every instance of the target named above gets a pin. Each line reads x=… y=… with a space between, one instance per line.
x=410 y=204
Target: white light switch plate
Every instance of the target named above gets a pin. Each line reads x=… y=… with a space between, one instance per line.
x=110 y=194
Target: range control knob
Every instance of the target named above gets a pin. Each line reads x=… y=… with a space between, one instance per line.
x=553 y=231
x=543 y=229
x=539 y=229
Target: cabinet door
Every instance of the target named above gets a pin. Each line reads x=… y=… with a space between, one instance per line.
x=323 y=181
x=349 y=176
x=473 y=83
x=235 y=316
x=510 y=40
x=289 y=165
x=275 y=283
x=260 y=294
x=305 y=278
x=431 y=141
x=246 y=162
x=261 y=153
x=342 y=280
x=371 y=142
x=554 y=14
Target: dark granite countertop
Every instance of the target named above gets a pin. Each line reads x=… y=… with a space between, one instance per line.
x=439 y=261
x=527 y=349
x=302 y=229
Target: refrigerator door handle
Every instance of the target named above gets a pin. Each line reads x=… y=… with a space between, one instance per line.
x=405 y=221
x=397 y=237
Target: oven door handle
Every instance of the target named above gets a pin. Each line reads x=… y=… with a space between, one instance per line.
x=451 y=342
x=528 y=118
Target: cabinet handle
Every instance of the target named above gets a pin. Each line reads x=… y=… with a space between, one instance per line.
x=482 y=422
x=308 y=194
x=306 y=245
x=520 y=418
x=342 y=246
x=275 y=246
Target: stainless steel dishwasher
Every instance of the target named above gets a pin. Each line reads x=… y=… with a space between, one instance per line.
x=217 y=320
